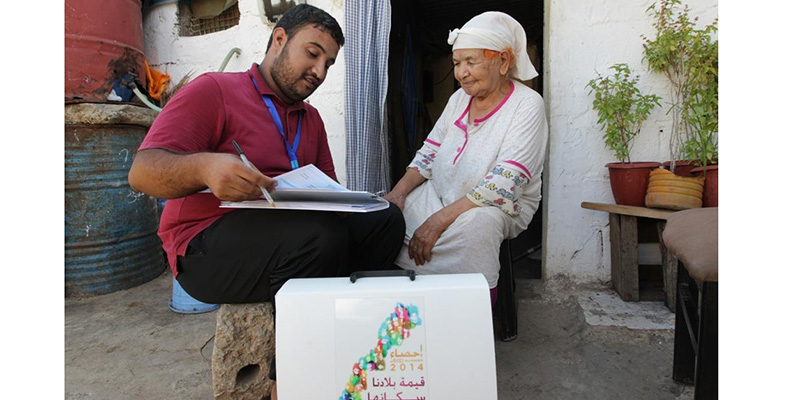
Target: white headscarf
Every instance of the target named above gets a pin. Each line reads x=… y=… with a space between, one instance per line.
x=497 y=31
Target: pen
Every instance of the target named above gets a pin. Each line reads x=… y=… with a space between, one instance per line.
x=249 y=164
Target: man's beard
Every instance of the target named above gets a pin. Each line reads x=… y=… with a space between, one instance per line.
x=282 y=75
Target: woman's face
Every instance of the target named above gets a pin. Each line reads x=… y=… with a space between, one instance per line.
x=478 y=75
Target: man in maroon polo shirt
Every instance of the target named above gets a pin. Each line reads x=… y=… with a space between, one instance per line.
x=242 y=256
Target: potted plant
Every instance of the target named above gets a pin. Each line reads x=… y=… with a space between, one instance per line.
x=621 y=109
x=689 y=58
x=701 y=110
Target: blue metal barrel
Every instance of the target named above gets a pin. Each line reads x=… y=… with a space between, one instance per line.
x=110 y=240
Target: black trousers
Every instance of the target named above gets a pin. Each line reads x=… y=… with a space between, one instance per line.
x=247 y=255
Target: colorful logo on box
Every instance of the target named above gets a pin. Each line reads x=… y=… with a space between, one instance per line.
x=394 y=329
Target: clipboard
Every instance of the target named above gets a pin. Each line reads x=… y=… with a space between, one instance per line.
x=316 y=200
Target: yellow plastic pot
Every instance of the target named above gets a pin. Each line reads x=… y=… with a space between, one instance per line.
x=669 y=191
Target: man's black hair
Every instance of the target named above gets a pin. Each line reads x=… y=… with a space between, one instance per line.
x=304 y=14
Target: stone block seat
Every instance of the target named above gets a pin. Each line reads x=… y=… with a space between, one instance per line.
x=244 y=350
x=692 y=237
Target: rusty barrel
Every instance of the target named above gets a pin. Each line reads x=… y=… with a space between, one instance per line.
x=103 y=40
x=110 y=231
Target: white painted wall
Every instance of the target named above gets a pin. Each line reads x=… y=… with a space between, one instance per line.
x=581 y=39
x=177 y=56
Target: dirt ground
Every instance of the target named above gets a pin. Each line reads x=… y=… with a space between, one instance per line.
x=129 y=345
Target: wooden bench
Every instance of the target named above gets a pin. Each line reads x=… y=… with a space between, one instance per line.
x=623 y=221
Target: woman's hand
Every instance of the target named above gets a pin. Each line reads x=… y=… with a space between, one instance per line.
x=421 y=244
x=425 y=237
x=399 y=199
x=409 y=182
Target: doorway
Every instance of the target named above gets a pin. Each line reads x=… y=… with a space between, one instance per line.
x=421 y=81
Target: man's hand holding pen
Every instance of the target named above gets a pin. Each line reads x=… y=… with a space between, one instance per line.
x=231 y=180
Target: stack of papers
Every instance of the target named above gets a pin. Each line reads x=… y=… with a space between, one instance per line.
x=308 y=188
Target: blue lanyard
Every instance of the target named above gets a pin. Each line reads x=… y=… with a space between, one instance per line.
x=291 y=150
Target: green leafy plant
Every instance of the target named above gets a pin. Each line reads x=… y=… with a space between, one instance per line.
x=621 y=108
x=689 y=58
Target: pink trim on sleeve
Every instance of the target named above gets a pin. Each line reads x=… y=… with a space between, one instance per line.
x=433 y=143
x=479 y=120
x=514 y=163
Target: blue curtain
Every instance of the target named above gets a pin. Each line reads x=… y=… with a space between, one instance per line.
x=366 y=53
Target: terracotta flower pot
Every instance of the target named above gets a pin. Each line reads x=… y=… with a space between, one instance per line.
x=673 y=192
x=711 y=191
x=629 y=181
x=682 y=167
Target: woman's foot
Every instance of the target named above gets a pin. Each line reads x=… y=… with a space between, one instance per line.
x=274 y=394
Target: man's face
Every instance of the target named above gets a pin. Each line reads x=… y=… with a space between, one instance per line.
x=302 y=62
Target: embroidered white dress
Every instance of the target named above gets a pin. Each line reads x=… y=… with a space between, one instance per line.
x=496 y=162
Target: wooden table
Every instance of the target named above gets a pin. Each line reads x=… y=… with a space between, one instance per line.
x=625 y=249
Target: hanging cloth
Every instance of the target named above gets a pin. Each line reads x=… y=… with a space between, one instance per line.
x=410 y=98
x=366 y=57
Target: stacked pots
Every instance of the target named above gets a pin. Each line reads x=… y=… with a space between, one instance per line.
x=674 y=192
x=653 y=185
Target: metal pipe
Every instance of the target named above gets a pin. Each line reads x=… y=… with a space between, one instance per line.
x=147 y=102
x=228 y=57
x=143 y=98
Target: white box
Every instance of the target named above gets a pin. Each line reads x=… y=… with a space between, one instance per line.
x=325 y=327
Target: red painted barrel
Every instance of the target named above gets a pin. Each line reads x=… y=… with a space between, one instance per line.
x=103 y=40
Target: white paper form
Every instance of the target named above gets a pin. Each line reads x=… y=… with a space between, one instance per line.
x=307 y=177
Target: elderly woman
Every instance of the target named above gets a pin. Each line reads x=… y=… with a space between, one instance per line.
x=477 y=178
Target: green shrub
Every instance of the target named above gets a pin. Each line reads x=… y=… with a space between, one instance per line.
x=621 y=108
x=689 y=58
